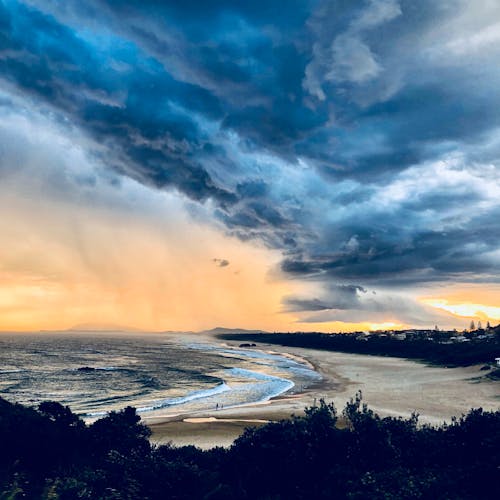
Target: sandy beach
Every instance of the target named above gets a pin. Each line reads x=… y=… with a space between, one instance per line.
x=390 y=386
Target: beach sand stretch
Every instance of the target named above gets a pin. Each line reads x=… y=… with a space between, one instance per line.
x=390 y=386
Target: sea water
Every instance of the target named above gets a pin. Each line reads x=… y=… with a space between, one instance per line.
x=159 y=374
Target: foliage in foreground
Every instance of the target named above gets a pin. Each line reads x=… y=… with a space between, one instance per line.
x=51 y=453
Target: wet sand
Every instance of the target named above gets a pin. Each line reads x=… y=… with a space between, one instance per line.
x=390 y=386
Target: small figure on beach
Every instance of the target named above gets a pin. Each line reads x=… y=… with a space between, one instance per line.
x=217 y=406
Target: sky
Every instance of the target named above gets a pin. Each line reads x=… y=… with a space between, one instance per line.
x=327 y=165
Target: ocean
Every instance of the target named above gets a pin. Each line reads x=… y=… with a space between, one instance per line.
x=159 y=374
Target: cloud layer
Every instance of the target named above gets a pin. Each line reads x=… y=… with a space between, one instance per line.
x=360 y=139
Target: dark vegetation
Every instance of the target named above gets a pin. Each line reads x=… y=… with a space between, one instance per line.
x=457 y=354
x=51 y=453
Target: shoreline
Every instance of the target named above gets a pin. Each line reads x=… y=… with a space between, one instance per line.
x=390 y=386
x=235 y=380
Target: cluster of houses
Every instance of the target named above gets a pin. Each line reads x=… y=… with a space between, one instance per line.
x=435 y=334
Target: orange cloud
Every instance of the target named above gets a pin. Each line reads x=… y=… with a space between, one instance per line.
x=62 y=265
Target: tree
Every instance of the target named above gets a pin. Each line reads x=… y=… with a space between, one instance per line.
x=479 y=325
x=120 y=431
x=61 y=415
x=472 y=326
x=47 y=453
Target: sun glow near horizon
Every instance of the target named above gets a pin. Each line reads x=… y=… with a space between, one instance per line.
x=64 y=265
x=467 y=310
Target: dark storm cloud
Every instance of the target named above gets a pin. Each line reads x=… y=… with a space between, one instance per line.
x=339 y=297
x=377 y=308
x=350 y=303
x=387 y=257
x=360 y=138
x=136 y=111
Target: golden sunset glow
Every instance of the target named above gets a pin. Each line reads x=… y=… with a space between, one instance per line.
x=340 y=326
x=468 y=310
x=63 y=266
x=468 y=301
x=389 y=325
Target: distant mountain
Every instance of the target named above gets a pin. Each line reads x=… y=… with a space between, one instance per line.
x=220 y=330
